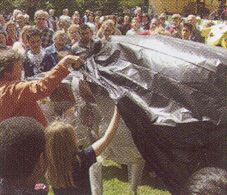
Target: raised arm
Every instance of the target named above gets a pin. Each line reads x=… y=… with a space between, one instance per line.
x=100 y=145
x=36 y=90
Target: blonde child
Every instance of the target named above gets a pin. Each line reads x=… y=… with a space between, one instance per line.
x=68 y=168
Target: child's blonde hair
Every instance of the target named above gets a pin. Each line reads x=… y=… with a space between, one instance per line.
x=61 y=152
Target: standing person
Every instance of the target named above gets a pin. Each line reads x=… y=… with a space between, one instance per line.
x=175 y=26
x=2 y=40
x=41 y=24
x=187 y=31
x=11 y=32
x=60 y=45
x=68 y=168
x=73 y=33
x=22 y=159
x=2 y=22
x=19 y=98
x=22 y=46
x=87 y=45
x=21 y=22
x=135 y=28
x=36 y=60
x=65 y=15
x=196 y=35
x=145 y=21
x=125 y=26
x=52 y=20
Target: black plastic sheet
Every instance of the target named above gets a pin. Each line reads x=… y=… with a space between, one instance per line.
x=171 y=95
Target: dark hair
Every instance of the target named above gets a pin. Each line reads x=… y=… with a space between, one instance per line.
x=33 y=32
x=188 y=25
x=8 y=57
x=83 y=27
x=209 y=181
x=22 y=140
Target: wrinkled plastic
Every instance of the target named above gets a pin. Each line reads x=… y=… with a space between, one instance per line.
x=171 y=95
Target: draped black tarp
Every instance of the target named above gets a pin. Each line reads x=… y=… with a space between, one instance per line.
x=171 y=95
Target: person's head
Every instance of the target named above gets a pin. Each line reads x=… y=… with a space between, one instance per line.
x=20 y=20
x=15 y=13
x=51 y=12
x=154 y=23
x=76 y=13
x=41 y=19
x=60 y=39
x=138 y=11
x=135 y=24
x=176 y=20
x=11 y=29
x=76 y=19
x=2 y=38
x=162 y=18
x=27 y=18
x=61 y=152
x=64 y=24
x=85 y=33
x=126 y=19
x=65 y=12
x=2 y=20
x=34 y=40
x=22 y=147
x=91 y=17
x=108 y=28
x=24 y=34
x=192 y=19
x=73 y=33
x=207 y=181
x=10 y=65
x=145 y=17
x=187 y=31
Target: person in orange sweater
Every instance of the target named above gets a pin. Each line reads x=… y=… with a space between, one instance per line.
x=19 y=98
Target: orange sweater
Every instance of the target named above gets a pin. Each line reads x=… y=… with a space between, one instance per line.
x=19 y=98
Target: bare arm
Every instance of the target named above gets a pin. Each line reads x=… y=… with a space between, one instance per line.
x=100 y=145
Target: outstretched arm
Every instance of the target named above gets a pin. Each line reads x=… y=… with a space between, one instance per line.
x=100 y=145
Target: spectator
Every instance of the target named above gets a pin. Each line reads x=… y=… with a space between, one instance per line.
x=91 y=22
x=209 y=181
x=145 y=22
x=162 y=20
x=22 y=45
x=60 y=44
x=126 y=26
x=68 y=168
x=36 y=59
x=135 y=28
x=52 y=20
x=187 y=31
x=2 y=22
x=65 y=16
x=85 y=17
x=175 y=27
x=87 y=45
x=196 y=35
x=76 y=19
x=138 y=14
x=20 y=21
x=2 y=39
x=19 y=98
x=41 y=24
x=64 y=24
x=73 y=33
x=11 y=33
x=22 y=159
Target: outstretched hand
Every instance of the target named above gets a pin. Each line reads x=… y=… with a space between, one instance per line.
x=72 y=61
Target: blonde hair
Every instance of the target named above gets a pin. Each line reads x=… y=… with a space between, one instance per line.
x=61 y=152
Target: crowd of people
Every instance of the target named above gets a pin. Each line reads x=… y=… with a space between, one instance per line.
x=58 y=45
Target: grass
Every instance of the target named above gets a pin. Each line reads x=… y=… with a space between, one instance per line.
x=115 y=182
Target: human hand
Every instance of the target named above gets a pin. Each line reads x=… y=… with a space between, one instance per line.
x=72 y=61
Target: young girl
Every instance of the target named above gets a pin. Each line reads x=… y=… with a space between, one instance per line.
x=68 y=168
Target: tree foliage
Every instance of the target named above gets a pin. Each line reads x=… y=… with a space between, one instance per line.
x=106 y=6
